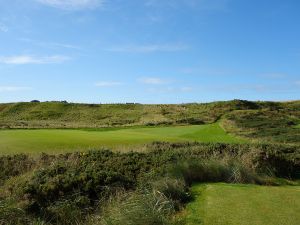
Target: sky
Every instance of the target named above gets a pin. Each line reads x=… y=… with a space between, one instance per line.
x=149 y=51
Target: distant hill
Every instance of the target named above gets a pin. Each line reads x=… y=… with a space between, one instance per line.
x=267 y=120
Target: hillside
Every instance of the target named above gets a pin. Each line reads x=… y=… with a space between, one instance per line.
x=71 y=115
x=271 y=121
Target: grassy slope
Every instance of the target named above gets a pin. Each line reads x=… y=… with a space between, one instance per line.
x=59 y=114
x=272 y=122
x=54 y=141
x=55 y=115
x=266 y=121
x=227 y=204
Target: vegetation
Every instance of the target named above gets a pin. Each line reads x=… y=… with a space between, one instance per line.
x=105 y=187
x=219 y=204
x=59 y=141
x=267 y=121
x=267 y=125
x=70 y=115
x=146 y=182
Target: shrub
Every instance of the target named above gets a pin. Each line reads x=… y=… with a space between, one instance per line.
x=62 y=182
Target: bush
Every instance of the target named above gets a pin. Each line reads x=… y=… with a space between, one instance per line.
x=82 y=185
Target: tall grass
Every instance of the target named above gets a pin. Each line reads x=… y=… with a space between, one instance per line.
x=231 y=171
x=148 y=208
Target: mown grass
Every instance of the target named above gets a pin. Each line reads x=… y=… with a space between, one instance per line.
x=231 y=204
x=58 y=141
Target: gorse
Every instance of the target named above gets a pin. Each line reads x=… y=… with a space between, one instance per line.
x=113 y=188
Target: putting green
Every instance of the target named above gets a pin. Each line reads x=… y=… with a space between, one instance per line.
x=57 y=141
x=227 y=204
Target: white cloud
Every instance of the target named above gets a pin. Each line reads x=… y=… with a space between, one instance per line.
x=149 y=48
x=152 y=80
x=13 y=88
x=28 y=59
x=72 y=4
x=3 y=28
x=107 y=84
x=297 y=82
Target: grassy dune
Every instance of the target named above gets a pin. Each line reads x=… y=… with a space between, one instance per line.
x=57 y=140
x=230 y=204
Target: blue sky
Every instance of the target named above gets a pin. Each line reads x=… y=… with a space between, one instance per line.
x=149 y=51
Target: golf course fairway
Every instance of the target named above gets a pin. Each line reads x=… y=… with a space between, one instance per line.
x=66 y=140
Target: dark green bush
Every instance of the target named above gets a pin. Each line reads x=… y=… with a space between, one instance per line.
x=66 y=182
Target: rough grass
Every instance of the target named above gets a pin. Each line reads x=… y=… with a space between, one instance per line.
x=58 y=141
x=267 y=125
x=228 y=204
x=71 y=115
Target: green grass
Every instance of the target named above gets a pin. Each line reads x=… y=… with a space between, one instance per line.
x=229 y=204
x=58 y=140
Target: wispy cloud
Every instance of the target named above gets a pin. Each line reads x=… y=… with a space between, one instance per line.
x=107 y=84
x=152 y=80
x=73 y=4
x=3 y=28
x=28 y=59
x=149 y=48
x=49 y=44
x=13 y=88
x=297 y=83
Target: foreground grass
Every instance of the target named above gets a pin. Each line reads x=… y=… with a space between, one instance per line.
x=57 y=141
x=228 y=204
